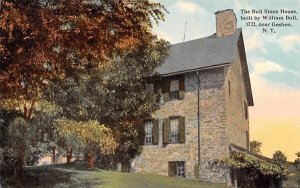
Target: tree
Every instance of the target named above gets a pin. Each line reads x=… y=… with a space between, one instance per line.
x=90 y=135
x=45 y=39
x=114 y=95
x=279 y=158
x=297 y=161
x=42 y=41
x=255 y=146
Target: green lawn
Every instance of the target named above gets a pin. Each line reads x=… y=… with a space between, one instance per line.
x=108 y=179
x=76 y=176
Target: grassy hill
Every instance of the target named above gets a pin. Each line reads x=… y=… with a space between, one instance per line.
x=76 y=176
x=61 y=176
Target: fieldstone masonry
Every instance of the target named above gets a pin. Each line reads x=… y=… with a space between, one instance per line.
x=225 y=22
x=223 y=119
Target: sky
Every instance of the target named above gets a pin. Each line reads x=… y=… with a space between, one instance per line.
x=273 y=60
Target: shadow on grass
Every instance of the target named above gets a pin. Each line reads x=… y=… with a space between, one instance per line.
x=49 y=176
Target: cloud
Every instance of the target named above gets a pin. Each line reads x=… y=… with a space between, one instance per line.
x=254 y=42
x=290 y=43
x=190 y=7
x=162 y=35
x=238 y=4
x=265 y=66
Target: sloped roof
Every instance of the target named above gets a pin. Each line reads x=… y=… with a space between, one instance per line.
x=208 y=52
x=200 y=53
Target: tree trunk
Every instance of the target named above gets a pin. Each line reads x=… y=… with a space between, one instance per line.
x=69 y=155
x=53 y=155
x=19 y=166
x=91 y=160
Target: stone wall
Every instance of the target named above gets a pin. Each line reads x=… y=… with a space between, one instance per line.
x=213 y=139
x=237 y=125
x=155 y=158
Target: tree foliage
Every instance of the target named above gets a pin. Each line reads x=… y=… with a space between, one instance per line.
x=298 y=154
x=297 y=161
x=44 y=39
x=114 y=94
x=255 y=146
x=91 y=135
x=279 y=157
x=240 y=160
x=48 y=42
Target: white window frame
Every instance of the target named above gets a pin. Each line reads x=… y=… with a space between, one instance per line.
x=174 y=130
x=180 y=169
x=149 y=132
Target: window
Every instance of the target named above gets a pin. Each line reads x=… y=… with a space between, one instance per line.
x=247 y=140
x=229 y=89
x=148 y=132
x=174 y=89
x=174 y=135
x=177 y=168
x=174 y=130
x=246 y=110
x=150 y=88
x=180 y=169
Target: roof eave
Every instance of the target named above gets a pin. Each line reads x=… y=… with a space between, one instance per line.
x=193 y=70
x=247 y=81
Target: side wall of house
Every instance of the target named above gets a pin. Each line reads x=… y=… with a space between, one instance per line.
x=237 y=120
x=213 y=140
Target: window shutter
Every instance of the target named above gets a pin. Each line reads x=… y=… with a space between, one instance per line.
x=157 y=93
x=181 y=87
x=155 y=131
x=141 y=136
x=172 y=169
x=166 y=89
x=156 y=86
x=182 y=129
x=166 y=132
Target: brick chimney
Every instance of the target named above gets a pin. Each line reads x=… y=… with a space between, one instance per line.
x=225 y=22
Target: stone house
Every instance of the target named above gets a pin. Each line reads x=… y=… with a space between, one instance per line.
x=205 y=93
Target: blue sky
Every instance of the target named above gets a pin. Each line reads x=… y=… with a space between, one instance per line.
x=273 y=60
